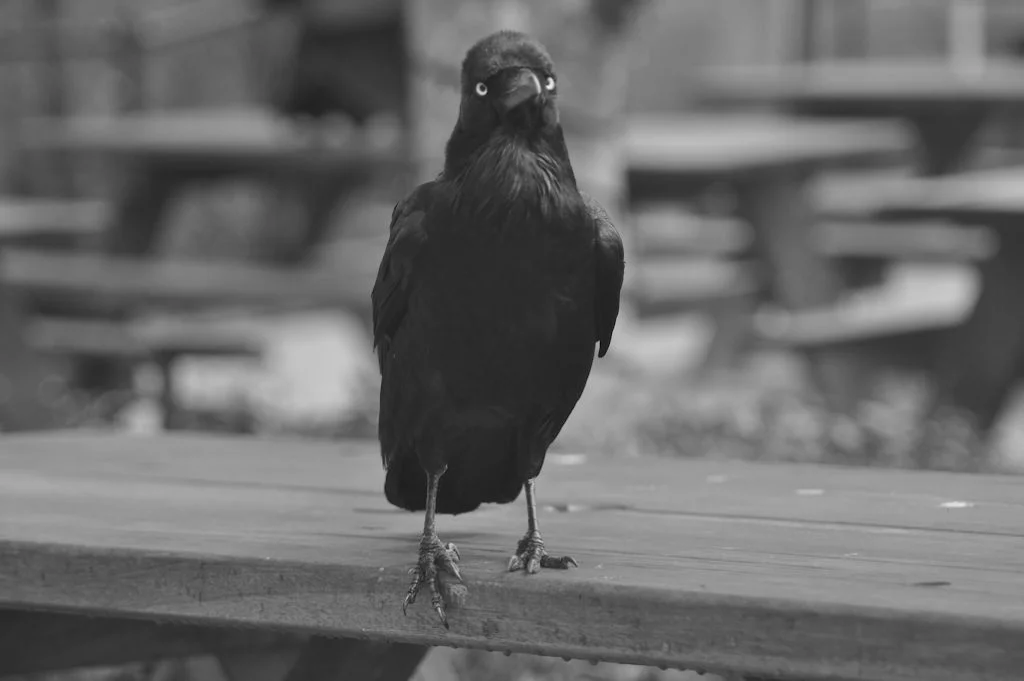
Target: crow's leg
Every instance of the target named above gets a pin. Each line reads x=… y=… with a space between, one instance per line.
x=530 y=554
x=433 y=556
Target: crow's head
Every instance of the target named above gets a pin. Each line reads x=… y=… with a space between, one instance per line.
x=508 y=81
x=509 y=91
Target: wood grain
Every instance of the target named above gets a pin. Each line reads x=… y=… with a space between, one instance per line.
x=806 y=572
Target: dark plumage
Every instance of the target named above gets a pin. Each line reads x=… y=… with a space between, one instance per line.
x=498 y=281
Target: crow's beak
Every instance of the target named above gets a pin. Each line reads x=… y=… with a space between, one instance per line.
x=523 y=87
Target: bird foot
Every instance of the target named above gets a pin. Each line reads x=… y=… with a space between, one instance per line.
x=531 y=556
x=434 y=556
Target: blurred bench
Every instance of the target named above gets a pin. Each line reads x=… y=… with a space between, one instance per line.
x=678 y=285
x=894 y=332
x=129 y=281
x=254 y=550
x=105 y=292
x=946 y=106
x=680 y=234
x=34 y=221
x=162 y=154
x=767 y=164
x=981 y=361
x=161 y=344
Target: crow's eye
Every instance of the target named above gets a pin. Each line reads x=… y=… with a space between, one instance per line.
x=549 y=84
x=481 y=89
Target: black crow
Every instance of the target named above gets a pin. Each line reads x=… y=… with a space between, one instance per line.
x=498 y=280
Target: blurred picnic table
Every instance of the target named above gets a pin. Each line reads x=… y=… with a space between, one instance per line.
x=163 y=153
x=768 y=162
x=157 y=157
x=982 y=360
x=946 y=105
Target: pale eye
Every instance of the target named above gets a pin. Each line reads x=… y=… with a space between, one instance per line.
x=549 y=84
x=481 y=89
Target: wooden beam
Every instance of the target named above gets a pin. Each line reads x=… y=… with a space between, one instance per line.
x=38 y=642
x=776 y=570
x=328 y=659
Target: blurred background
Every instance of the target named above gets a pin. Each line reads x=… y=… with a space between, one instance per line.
x=818 y=198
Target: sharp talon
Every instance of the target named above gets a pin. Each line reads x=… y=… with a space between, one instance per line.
x=562 y=563
x=433 y=557
x=454 y=549
x=531 y=556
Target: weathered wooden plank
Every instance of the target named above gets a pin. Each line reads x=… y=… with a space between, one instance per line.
x=804 y=572
x=859 y=496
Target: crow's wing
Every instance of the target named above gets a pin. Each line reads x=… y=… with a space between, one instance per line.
x=390 y=295
x=611 y=265
x=390 y=300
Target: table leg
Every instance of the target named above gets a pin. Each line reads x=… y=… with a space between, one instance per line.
x=947 y=138
x=144 y=196
x=315 y=199
x=981 y=361
x=21 y=376
x=777 y=205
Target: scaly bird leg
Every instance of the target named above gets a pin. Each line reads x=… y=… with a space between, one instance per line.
x=530 y=553
x=433 y=555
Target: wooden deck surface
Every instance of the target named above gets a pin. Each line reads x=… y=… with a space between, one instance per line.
x=810 y=572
